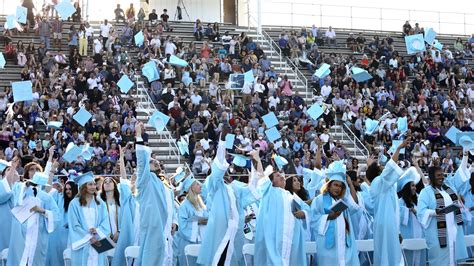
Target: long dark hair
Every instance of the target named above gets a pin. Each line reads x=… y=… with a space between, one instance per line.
x=471 y=183
x=74 y=190
x=302 y=193
x=103 y=194
x=410 y=198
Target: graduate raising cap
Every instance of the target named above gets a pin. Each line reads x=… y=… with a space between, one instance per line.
x=335 y=172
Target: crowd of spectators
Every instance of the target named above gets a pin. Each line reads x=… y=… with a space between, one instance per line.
x=200 y=99
x=434 y=89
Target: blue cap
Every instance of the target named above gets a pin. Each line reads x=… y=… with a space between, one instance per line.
x=402 y=124
x=87 y=152
x=55 y=124
x=188 y=182
x=410 y=175
x=40 y=179
x=270 y=120
x=3 y=62
x=183 y=146
x=239 y=160
x=395 y=144
x=360 y=75
x=179 y=174
x=323 y=71
x=371 y=126
x=4 y=164
x=139 y=38
x=452 y=134
x=438 y=45
x=415 y=43
x=125 y=84
x=466 y=140
x=430 y=36
x=176 y=61
x=22 y=91
x=20 y=14
x=229 y=141
x=84 y=178
x=337 y=171
x=150 y=71
x=272 y=134
x=315 y=111
x=382 y=159
x=159 y=121
x=280 y=161
x=32 y=144
x=65 y=9
x=248 y=77
x=82 y=116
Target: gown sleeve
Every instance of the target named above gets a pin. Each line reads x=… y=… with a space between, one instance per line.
x=426 y=211
x=78 y=235
x=319 y=219
x=5 y=191
x=143 y=154
x=386 y=179
x=404 y=212
x=52 y=216
x=218 y=169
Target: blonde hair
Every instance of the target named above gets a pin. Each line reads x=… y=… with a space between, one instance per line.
x=325 y=188
x=196 y=200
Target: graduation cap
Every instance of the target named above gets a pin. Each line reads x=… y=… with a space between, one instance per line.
x=272 y=134
x=322 y=71
x=139 y=38
x=415 y=44
x=312 y=174
x=229 y=141
x=410 y=175
x=270 y=120
x=176 y=61
x=360 y=75
x=150 y=71
x=87 y=152
x=159 y=121
x=4 y=164
x=65 y=9
x=188 y=182
x=239 y=160
x=55 y=124
x=82 y=116
x=452 y=134
x=382 y=159
x=183 y=146
x=336 y=171
x=3 y=62
x=402 y=124
x=21 y=14
x=40 y=179
x=280 y=161
x=72 y=152
x=84 y=179
x=395 y=144
x=315 y=111
x=32 y=144
x=10 y=23
x=125 y=84
x=371 y=126
x=248 y=77
x=466 y=140
x=22 y=91
x=179 y=174
x=437 y=45
x=430 y=36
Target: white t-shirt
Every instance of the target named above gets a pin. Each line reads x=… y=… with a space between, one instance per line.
x=105 y=30
x=92 y=83
x=273 y=101
x=89 y=32
x=155 y=43
x=97 y=46
x=326 y=90
x=170 y=48
x=330 y=34
x=196 y=99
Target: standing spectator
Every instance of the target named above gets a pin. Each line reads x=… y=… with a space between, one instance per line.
x=119 y=14
x=30 y=17
x=73 y=38
x=82 y=40
x=330 y=36
x=130 y=13
x=141 y=16
x=76 y=17
x=89 y=33
x=105 y=31
x=351 y=42
x=45 y=32
x=57 y=25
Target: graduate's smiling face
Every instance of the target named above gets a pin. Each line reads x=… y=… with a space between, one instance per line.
x=296 y=184
x=413 y=188
x=438 y=178
x=278 y=180
x=68 y=190
x=91 y=188
x=336 y=189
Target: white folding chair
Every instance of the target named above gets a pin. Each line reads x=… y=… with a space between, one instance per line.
x=110 y=256
x=191 y=251
x=310 y=250
x=365 y=246
x=469 y=241
x=67 y=257
x=413 y=244
x=248 y=249
x=131 y=253
x=4 y=256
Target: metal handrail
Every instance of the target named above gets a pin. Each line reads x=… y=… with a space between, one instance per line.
x=355 y=140
x=144 y=98
x=275 y=50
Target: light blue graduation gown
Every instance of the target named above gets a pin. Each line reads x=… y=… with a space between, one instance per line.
x=226 y=214
x=329 y=242
x=126 y=216
x=383 y=191
x=59 y=238
x=156 y=207
x=312 y=180
x=362 y=221
x=279 y=237
x=410 y=227
x=427 y=215
x=189 y=230
x=469 y=202
x=6 y=204
x=79 y=235
x=20 y=233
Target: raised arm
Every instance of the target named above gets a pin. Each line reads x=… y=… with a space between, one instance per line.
x=123 y=170
x=425 y=180
x=51 y=168
x=317 y=160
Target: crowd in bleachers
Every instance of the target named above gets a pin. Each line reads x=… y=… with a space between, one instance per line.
x=205 y=106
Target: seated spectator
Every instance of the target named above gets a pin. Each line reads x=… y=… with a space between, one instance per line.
x=330 y=36
x=130 y=13
x=406 y=28
x=164 y=20
x=198 y=30
x=119 y=14
x=351 y=42
x=283 y=44
x=360 y=43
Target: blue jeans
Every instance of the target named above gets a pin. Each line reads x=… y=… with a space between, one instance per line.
x=46 y=40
